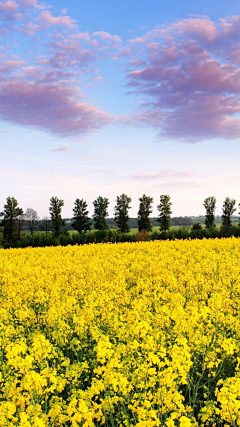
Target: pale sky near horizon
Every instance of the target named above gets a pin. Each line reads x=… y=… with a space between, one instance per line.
x=102 y=98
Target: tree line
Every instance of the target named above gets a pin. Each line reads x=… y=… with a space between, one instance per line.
x=14 y=217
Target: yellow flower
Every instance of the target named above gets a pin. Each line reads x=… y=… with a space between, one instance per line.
x=185 y=422
x=121 y=334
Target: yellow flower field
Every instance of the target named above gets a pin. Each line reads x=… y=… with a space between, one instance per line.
x=135 y=334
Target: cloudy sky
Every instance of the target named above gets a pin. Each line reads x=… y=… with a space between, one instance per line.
x=102 y=97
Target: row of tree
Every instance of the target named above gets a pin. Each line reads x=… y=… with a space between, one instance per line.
x=14 y=217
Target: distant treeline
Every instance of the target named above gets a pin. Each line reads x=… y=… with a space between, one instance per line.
x=178 y=221
x=20 y=229
x=132 y=222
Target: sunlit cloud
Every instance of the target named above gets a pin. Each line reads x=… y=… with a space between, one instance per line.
x=8 y=11
x=104 y=35
x=52 y=106
x=45 y=91
x=189 y=77
x=47 y=18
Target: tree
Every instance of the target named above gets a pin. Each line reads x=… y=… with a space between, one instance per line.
x=210 y=206
x=31 y=217
x=45 y=224
x=10 y=214
x=228 y=210
x=164 y=209
x=197 y=226
x=121 y=209
x=80 y=216
x=145 y=209
x=55 y=213
x=100 y=213
x=19 y=223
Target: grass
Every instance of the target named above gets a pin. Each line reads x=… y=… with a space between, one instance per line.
x=235 y=221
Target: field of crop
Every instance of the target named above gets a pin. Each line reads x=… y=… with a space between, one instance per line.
x=142 y=334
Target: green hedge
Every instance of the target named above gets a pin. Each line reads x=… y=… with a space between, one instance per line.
x=114 y=236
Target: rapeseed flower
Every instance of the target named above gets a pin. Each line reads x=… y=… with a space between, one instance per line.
x=144 y=334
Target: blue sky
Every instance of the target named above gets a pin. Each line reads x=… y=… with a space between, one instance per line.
x=101 y=98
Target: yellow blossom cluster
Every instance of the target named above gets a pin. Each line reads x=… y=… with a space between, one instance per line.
x=136 y=334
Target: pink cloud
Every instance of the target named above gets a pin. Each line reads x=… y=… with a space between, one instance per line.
x=60 y=149
x=8 y=6
x=54 y=107
x=47 y=18
x=230 y=26
x=200 y=27
x=34 y=72
x=141 y=40
x=137 y=61
x=94 y=43
x=43 y=91
x=103 y=35
x=28 y=2
x=125 y=51
x=8 y=10
x=203 y=27
x=153 y=46
x=68 y=54
x=8 y=66
x=83 y=36
x=189 y=78
x=33 y=28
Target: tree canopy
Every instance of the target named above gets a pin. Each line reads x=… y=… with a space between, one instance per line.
x=121 y=210
x=81 y=221
x=100 y=213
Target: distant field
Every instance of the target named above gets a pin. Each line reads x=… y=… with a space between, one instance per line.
x=218 y=222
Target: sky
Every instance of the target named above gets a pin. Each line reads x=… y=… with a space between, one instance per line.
x=132 y=96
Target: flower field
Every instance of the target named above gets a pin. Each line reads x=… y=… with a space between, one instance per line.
x=142 y=334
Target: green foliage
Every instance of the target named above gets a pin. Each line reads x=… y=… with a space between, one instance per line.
x=231 y=231
x=210 y=206
x=55 y=210
x=196 y=226
x=228 y=210
x=81 y=221
x=121 y=209
x=11 y=217
x=39 y=239
x=164 y=209
x=145 y=208
x=45 y=224
x=100 y=213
